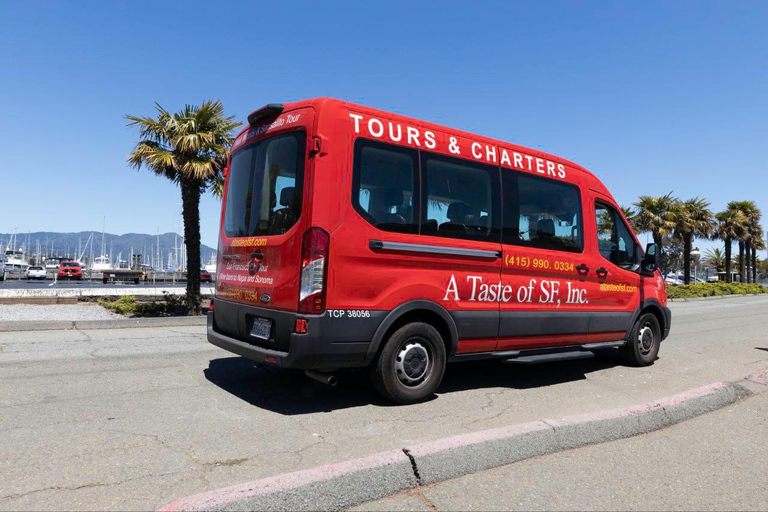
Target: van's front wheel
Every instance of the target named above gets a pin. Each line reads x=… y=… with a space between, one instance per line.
x=644 y=341
x=411 y=365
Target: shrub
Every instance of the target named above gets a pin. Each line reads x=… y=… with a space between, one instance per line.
x=684 y=291
x=128 y=305
x=125 y=305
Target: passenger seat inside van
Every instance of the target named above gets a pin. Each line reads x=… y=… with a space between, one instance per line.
x=545 y=228
x=285 y=217
x=393 y=198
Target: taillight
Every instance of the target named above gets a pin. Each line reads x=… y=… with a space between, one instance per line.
x=314 y=270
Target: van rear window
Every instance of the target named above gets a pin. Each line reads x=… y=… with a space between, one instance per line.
x=265 y=186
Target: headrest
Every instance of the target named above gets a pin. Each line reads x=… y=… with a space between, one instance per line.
x=286 y=196
x=545 y=227
x=457 y=212
x=393 y=197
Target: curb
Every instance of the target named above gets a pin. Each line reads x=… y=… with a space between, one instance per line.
x=120 y=323
x=716 y=297
x=345 y=484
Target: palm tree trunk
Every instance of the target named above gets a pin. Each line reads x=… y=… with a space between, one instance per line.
x=658 y=241
x=190 y=200
x=741 y=261
x=687 y=257
x=748 y=251
x=728 y=262
x=754 y=264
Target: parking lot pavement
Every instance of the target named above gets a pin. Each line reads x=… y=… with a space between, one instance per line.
x=713 y=462
x=135 y=418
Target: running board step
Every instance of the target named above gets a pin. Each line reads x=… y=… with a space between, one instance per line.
x=549 y=358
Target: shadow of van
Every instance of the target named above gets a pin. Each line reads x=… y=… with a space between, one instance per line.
x=290 y=392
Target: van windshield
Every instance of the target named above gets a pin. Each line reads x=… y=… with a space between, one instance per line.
x=265 y=187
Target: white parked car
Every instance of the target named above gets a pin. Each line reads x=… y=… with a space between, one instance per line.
x=35 y=272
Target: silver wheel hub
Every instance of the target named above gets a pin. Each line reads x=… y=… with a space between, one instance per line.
x=412 y=363
x=645 y=340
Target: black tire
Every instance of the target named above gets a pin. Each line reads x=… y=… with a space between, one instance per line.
x=644 y=340
x=401 y=372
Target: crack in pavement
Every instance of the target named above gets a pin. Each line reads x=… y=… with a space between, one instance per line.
x=83 y=486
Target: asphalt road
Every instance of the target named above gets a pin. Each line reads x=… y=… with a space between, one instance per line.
x=135 y=418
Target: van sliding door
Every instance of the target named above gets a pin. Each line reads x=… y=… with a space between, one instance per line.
x=543 y=300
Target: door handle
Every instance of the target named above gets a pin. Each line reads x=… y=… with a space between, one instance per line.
x=582 y=269
x=601 y=273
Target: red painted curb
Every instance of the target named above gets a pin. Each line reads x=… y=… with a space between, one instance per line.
x=759 y=377
x=286 y=481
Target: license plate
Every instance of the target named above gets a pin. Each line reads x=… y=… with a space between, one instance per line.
x=262 y=328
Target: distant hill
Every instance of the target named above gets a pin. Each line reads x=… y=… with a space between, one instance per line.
x=66 y=245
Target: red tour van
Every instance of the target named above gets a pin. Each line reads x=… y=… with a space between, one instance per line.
x=352 y=237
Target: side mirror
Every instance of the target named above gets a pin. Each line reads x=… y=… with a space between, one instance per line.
x=225 y=172
x=651 y=260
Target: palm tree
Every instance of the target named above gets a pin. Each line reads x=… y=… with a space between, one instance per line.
x=692 y=218
x=629 y=214
x=714 y=258
x=655 y=215
x=190 y=148
x=752 y=214
x=730 y=224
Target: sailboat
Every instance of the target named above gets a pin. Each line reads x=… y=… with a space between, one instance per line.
x=102 y=262
x=211 y=265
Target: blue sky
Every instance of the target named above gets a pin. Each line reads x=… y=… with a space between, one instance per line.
x=651 y=96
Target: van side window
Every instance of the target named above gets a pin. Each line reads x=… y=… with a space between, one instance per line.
x=542 y=213
x=614 y=239
x=459 y=198
x=383 y=186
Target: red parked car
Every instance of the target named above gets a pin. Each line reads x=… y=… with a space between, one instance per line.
x=205 y=276
x=352 y=237
x=70 y=270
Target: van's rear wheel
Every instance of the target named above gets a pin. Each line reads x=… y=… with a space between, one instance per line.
x=642 y=347
x=411 y=365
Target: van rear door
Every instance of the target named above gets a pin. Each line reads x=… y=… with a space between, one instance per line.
x=262 y=220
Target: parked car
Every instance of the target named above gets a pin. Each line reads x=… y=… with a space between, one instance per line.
x=2 y=268
x=205 y=276
x=70 y=270
x=35 y=272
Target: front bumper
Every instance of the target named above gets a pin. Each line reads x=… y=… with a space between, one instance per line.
x=331 y=342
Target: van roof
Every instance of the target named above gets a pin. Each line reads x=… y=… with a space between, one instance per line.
x=323 y=102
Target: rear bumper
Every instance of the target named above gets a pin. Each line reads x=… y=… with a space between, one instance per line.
x=667 y=321
x=331 y=342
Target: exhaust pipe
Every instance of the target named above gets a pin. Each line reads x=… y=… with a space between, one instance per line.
x=325 y=378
